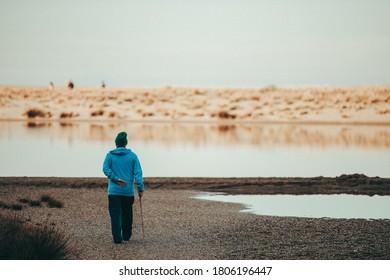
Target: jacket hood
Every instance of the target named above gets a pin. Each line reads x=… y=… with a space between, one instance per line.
x=120 y=151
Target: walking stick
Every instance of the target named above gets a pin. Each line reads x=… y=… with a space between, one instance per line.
x=142 y=219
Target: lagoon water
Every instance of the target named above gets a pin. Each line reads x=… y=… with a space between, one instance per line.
x=196 y=149
x=310 y=206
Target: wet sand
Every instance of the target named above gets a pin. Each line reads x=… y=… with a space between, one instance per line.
x=177 y=226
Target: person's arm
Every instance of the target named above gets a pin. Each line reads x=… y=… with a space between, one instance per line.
x=107 y=168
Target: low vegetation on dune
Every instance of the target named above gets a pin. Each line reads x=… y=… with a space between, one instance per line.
x=283 y=104
x=37 y=113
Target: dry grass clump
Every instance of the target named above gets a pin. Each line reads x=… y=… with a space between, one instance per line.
x=51 y=202
x=19 y=241
x=45 y=198
x=16 y=207
x=34 y=203
x=384 y=112
x=4 y=205
x=34 y=113
x=54 y=203
x=64 y=115
x=30 y=202
x=97 y=113
x=226 y=115
x=147 y=114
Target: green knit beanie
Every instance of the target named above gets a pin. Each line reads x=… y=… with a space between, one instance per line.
x=121 y=139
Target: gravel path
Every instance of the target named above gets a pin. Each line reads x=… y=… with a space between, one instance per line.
x=177 y=226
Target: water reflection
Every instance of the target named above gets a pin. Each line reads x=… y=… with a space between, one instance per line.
x=196 y=149
x=170 y=134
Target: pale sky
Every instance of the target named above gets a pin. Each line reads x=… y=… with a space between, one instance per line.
x=195 y=43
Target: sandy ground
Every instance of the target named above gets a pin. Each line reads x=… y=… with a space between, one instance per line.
x=177 y=226
x=269 y=104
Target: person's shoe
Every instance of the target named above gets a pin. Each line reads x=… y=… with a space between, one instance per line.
x=117 y=242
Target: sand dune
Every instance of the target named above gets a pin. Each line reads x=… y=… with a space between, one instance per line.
x=270 y=104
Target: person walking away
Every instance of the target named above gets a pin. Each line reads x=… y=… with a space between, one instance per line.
x=122 y=168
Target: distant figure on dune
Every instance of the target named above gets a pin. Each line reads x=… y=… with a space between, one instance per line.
x=122 y=168
x=103 y=84
x=51 y=85
x=70 y=84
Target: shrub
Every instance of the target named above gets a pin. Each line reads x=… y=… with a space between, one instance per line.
x=68 y=115
x=24 y=200
x=16 y=207
x=51 y=202
x=97 y=113
x=4 y=205
x=35 y=203
x=32 y=113
x=19 y=241
x=55 y=203
x=226 y=115
x=45 y=198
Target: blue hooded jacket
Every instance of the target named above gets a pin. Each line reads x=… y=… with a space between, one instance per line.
x=124 y=164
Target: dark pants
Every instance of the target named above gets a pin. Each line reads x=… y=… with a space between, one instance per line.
x=121 y=214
